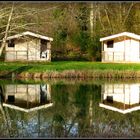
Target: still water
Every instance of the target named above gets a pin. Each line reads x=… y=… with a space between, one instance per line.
x=69 y=109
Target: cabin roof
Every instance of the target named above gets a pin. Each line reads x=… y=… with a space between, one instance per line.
x=30 y=34
x=27 y=110
x=132 y=35
x=123 y=111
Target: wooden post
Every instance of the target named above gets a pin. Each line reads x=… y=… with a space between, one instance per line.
x=16 y=55
x=27 y=49
x=48 y=92
x=113 y=89
x=124 y=47
x=129 y=97
x=102 y=92
x=102 y=50
x=27 y=95
x=124 y=96
x=26 y=55
x=113 y=56
x=49 y=51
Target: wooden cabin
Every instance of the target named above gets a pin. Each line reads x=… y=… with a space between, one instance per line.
x=122 y=47
x=27 y=97
x=123 y=98
x=28 y=46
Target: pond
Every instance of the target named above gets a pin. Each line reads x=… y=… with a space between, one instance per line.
x=69 y=109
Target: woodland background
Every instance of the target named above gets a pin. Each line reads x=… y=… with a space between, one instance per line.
x=76 y=27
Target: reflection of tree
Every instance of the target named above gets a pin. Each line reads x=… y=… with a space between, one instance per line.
x=70 y=116
x=82 y=104
x=4 y=111
x=23 y=123
x=6 y=123
x=58 y=125
x=78 y=108
x=63 y=97
x=61 y=103
x=86 y=98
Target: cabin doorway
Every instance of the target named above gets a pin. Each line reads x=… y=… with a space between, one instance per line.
x=43 y=49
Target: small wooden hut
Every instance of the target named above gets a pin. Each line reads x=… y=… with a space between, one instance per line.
x=28 y=46
x=27 y=97
x=122 y=47
x=123 y=98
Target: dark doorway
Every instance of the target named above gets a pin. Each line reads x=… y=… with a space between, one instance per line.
x=43 y=49
x=11 y=98
x=109 y=99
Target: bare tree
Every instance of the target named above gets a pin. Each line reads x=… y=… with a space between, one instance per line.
x=18 y=20
x=128 y=12
x=6 y=30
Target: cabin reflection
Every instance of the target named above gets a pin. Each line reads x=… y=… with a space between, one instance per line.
x=27 y=97
x=123 y=98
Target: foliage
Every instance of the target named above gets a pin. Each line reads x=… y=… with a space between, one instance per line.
x=70 y=26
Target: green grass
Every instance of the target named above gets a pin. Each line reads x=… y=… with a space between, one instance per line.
x=67 y=65
x=70 y=69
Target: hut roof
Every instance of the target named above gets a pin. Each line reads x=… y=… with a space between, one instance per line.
x=132 y=35
x=123 y=111
x=27 y=110
x=30 y=34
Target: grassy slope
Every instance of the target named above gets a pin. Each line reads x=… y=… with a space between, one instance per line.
x=66 y=65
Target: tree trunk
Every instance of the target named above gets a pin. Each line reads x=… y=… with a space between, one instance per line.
x=91 y=20
x=6 y=31
x=108 y=19
x=90 y=112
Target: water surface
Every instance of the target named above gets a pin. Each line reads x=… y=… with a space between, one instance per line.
x=69 y=109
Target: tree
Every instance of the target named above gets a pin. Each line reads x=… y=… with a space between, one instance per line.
x=20 y=18
x=6 y=30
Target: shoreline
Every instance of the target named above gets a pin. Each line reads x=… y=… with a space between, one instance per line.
x=84 y=74
x=70 y=69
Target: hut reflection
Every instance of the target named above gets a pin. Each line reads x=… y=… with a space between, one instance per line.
x=123 y=98
x=27 y=97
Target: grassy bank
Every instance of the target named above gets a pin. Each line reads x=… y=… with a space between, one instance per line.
x=70 y=69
